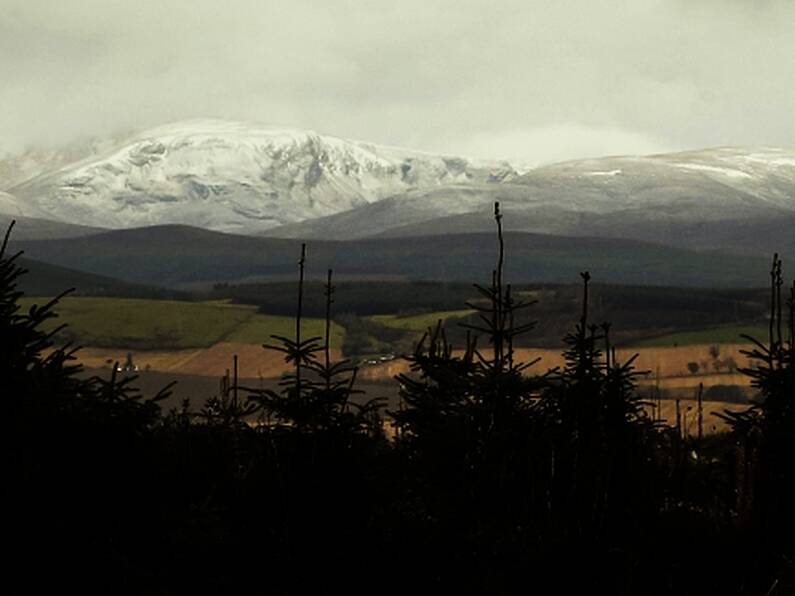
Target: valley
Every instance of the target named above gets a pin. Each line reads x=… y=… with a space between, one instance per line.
x=180 y=246
x=195 y=343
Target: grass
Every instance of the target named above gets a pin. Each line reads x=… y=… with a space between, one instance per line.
x=169 y=324
x=419 y=322
x=713 y=335
x=259 y=328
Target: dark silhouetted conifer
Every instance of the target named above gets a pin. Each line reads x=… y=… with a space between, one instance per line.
x=765 y=432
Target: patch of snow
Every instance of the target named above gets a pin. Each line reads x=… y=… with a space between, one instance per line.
x=608 y=173
x=769 y=157
x=776 y=161
x=723 y=171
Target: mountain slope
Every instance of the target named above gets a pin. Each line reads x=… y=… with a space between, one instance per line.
x=45 y=279
x=728 y=199
x=11 y=206
x=32 y=228
x=236 y=177
x=759 y=233
x=179 y=255
x=406 y=210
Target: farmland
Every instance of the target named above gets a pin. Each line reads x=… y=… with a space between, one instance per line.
x=420 y=322
x=200 y=339
x=168 y=324
x=729 y=334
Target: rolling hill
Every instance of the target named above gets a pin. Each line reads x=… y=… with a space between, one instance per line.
x=180 y=255
x=32 y=228
x=45 y=279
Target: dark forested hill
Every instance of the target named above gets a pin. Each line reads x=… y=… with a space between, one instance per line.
x=44 y=279
x=179 y=255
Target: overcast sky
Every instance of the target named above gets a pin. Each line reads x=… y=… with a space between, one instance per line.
x=529 y=80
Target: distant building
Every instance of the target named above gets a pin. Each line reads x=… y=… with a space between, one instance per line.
x=129 y=365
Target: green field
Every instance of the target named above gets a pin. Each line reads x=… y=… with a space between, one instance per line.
x=713 y=335
x=419 y=322
x=170 y=324
x=259 y=328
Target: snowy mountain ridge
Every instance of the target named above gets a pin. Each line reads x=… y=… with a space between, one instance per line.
x=255 y=179
x=736 y=199
x=237 y=177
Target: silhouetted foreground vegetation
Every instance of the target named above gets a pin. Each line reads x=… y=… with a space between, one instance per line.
x=498 y=478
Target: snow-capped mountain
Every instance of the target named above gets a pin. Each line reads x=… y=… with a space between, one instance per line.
x=253 y=179
x=726 y=198
x=236 y=177
x=720 y=180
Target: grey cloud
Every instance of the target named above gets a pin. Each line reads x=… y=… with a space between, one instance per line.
x=532 y=79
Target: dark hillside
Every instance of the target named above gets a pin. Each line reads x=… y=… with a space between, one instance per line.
x=637 y=311
x=32 y=228
x=44 y=279
x=176 y=255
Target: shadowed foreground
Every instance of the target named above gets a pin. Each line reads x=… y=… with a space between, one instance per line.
x=500 y=478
